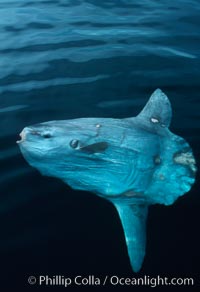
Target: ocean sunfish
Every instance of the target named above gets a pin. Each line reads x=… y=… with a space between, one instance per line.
x=132 y=162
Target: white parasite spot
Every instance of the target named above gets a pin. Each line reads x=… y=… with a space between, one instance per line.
x=98 y=125
x=154 y=120
x=186 y=159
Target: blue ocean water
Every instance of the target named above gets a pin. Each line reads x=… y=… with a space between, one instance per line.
x=97 y=58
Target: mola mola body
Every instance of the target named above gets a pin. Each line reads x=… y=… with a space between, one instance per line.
x=132 y=162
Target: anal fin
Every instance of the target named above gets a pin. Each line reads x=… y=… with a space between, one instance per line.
x=133 y=218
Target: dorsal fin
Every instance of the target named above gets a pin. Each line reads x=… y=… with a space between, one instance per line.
x=157 y=110
x=133 y=218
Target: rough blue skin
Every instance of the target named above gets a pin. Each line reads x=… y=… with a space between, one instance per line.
x=132 y=162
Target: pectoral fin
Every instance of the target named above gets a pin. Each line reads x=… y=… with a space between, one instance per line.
x=133 y=218
x=95 y=147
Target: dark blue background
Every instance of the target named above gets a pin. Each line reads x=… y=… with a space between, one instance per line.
x=68 y=59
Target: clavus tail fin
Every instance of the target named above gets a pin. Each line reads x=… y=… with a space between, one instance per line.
x=133 y=218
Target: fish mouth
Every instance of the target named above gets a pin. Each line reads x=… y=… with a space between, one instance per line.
x=22 y=136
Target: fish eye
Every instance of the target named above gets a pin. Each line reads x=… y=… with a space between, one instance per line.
x=74 y=143
x=47 y=136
